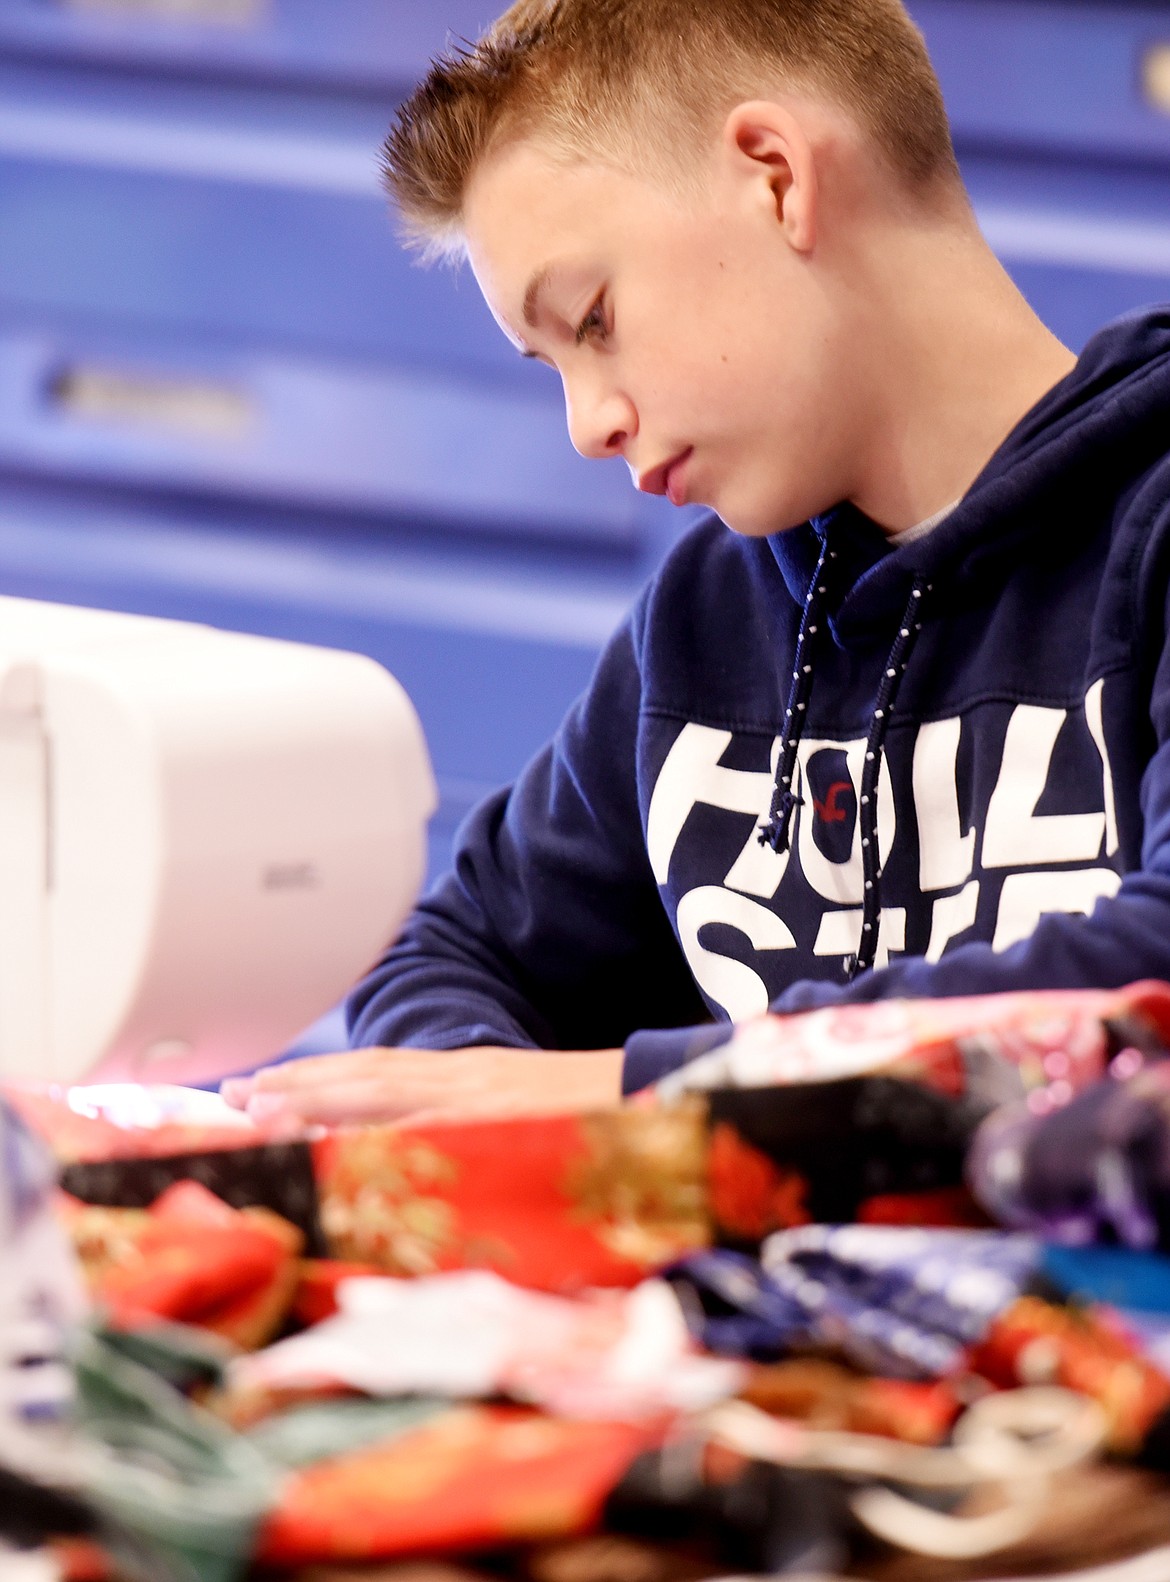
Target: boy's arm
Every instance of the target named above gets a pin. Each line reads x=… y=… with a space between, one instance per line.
x=548 y=935
x=1124 y=939
x=549 y=932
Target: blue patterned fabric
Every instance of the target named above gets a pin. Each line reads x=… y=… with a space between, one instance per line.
x=900 y=1302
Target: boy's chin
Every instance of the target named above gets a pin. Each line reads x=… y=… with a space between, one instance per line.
x=750 y=525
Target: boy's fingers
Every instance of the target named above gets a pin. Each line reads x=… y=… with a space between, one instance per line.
x=399 y=1083
x=313 y=1069
x=359 y=1102
x=345 y=1101
x=236 y=1091
x=356 y=1064
x=390 y=1084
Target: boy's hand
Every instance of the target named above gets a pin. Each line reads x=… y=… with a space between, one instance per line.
x=397 y=1084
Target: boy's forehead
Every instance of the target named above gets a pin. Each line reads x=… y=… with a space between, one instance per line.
x=525 y=188
x=528 y=214
x=507 y=208
x=527 y=209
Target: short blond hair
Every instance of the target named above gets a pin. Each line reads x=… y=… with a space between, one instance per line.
x=586 y=74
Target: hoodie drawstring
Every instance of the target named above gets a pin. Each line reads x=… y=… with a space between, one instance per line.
x=871 y=864
x=776 y=832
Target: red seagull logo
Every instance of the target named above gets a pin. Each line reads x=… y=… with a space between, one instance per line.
x=830 y=810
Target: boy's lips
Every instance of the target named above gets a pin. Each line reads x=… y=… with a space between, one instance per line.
x=668 y=478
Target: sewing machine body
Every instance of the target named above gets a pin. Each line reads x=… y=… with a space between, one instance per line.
x=205 y=837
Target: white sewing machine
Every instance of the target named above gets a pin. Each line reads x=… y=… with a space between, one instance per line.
x=204 y=839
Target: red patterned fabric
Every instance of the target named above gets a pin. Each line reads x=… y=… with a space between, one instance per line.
x=1035 y=1342
x=474 y=1478
x=558 y=1203
x=190 y=1258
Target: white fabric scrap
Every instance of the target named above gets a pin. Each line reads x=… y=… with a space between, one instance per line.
x=471 y=1334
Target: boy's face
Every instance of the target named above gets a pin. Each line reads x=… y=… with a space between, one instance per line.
x=695 y=337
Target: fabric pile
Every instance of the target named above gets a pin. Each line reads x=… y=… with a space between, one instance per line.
x=855 y=1292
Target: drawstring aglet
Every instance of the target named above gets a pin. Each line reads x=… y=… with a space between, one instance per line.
x=775 y=832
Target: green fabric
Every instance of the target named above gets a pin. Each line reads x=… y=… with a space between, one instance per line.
x=180 y=1483
x=185 y=1357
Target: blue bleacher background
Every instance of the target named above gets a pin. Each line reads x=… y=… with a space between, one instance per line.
x=226 y=395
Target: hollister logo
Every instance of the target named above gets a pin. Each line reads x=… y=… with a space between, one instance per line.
x=999 y=817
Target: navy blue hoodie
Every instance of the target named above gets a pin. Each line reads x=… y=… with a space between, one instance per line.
x=816 y=767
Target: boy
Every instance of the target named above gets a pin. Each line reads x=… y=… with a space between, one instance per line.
x=903 y=729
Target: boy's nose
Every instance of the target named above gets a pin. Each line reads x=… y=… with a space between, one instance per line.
x=600 y=427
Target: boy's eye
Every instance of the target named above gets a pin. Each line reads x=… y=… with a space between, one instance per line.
x=593 y=324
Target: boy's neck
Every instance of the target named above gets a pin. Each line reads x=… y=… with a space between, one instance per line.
x=953 y=358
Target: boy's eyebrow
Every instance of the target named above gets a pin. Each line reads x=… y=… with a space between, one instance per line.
x=532 y=295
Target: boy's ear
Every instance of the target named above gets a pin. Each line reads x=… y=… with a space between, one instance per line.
x=767 y=146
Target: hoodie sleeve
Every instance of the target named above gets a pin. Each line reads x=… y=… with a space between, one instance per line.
x=1124 y=939
x=549 y=932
